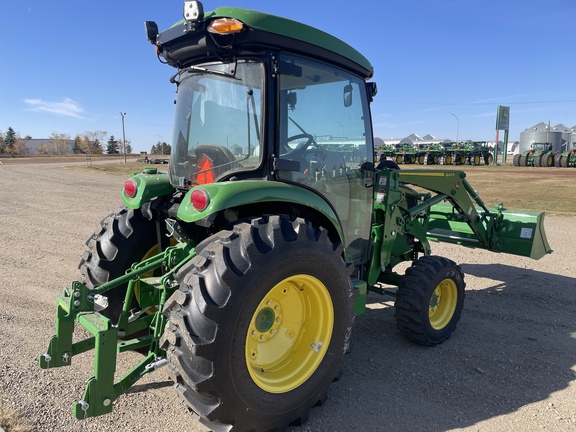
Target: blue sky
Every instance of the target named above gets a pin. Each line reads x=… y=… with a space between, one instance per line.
x=70 y=66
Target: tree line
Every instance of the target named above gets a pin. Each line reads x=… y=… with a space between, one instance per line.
x=89 y=142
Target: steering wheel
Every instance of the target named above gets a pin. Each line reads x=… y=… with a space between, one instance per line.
x=298 y=151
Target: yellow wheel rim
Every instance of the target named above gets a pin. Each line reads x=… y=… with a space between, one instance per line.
x=151 y=252
x=448 y=160
x=289 y=333
x=398 y=159
x=443 y=304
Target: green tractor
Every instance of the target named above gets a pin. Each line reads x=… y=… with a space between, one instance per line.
x=242 y=272
x=565 y=159
x=539 y=155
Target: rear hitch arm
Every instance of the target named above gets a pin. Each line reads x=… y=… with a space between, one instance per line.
x=77 y=306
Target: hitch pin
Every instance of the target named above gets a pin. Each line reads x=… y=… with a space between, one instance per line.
x=157 y=364
x=84 y=407
x=47 y=357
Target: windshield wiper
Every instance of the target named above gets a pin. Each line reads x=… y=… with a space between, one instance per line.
x=200 y=69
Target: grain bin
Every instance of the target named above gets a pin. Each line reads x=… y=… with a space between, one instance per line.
x=540 y=133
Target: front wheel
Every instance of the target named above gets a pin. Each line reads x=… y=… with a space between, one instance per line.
x=429 y=300
x=259 y=325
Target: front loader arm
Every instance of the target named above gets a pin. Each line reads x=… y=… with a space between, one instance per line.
x=447 y=210
x=466 y=220
x=453 y=187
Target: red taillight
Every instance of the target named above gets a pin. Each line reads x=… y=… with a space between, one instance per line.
x=199 y=199
x=130 y=188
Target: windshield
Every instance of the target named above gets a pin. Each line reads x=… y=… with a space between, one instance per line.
x=218 y=121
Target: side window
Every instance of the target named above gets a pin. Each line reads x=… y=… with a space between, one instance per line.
x=325 y=132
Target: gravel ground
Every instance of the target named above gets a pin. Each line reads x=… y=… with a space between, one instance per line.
x=511 y=364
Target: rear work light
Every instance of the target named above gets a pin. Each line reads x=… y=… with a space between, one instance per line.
x=130 y=188
x=199 y=199
x=225 y=26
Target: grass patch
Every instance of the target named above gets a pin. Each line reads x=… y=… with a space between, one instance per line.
x=116 y=168
x=12 y=420
x=552 y=190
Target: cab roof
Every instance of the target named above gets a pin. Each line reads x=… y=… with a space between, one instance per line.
x=263 y=31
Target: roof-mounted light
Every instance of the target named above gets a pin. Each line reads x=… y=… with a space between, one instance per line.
x=193 y=11
x=225 y=26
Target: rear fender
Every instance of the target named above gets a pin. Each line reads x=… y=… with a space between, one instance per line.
x=226 y=195
x=149 y=184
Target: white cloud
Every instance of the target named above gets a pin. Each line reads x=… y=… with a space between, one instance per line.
x=67 y=107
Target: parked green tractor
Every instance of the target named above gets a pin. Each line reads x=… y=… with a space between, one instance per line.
x=539 y=155
x=566 y=159
x=242 y=272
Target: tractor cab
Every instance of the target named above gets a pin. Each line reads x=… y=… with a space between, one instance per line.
x=251 y=106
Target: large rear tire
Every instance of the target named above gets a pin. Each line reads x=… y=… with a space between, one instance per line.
x=429 y=300
x=259 y=325
x=557 y=159
x=538 y=160
x=125 y=237
x=516 y=159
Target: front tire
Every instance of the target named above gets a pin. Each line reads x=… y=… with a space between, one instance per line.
x=430 y=300
x=259 y=325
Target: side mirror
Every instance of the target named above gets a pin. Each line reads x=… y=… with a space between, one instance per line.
x=372 y=90
x=292 y=99
x=347 y=95
x=151 y=31
x=367 y=172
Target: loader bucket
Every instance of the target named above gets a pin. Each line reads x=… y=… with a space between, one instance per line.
x=507 y=231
